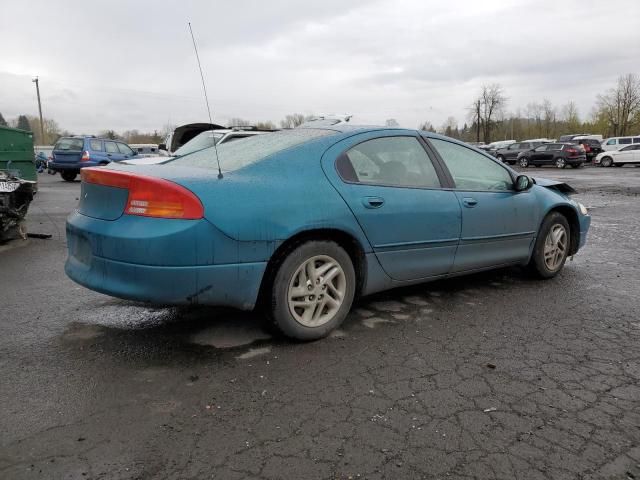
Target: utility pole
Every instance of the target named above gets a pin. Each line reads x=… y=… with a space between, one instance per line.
x=35 y=80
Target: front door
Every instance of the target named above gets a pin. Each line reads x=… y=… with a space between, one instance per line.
x=395 y=192
x=498 y=223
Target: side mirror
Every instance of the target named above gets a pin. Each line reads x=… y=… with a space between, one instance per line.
x=523 y=183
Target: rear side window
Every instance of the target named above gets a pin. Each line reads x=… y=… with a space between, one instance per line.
x=636 y=139
x=110 y=147
x=471 y=170
x=70 y=144
x=554 y=147
x=624 y=141
x=96 y=145
x=392 y=161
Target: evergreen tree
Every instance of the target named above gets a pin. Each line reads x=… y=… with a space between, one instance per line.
x=23 y=123
x=3 y=122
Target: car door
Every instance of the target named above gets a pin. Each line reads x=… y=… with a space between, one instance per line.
x=498 y=223
x=396 y=194
x=538 y=154
x=113 y=154
x=512 y=152
x=126 y=151
x=625 y=155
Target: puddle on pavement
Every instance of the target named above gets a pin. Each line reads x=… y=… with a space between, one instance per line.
x=82 y=332
x=126 y=316
x=254 y=352
x=230 y=335
x=373 y=322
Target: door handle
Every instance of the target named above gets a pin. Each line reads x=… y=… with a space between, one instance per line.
x=373 y=202
x=469 y=202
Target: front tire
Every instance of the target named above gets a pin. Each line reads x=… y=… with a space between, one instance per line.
x=312 y=291
x=606 y=162
x=561 y=162
x=68 y=176
x=552 y=246
x=524 y=162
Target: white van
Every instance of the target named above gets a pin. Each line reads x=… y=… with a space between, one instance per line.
x=616 y=143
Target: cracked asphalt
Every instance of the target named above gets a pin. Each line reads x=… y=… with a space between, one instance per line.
x=489 y=376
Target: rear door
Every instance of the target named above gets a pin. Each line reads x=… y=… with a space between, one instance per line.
x=396 y=194
x=512 y=151
x=126 y=151
x=537 y=156
x=68 y=150
x=498 y=223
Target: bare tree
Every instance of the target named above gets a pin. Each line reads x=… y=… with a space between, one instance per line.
x=268 y=125
x=570 y=116
x=239 y=122
x=490 y=101
x=475 y=115
x=292 y=121
x=621 y=105
x=549 y=113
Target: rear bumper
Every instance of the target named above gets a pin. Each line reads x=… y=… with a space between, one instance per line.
x=71 y=166
x=233 y=285
x=162 y=261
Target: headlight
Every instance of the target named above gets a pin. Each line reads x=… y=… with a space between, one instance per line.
x=583 y=209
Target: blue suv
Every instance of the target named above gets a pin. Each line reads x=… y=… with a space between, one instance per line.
x=70 y=154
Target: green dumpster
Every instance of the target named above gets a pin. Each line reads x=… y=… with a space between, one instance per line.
x=16 y=153
x=18 y=181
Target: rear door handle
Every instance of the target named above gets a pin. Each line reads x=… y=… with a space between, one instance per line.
x=469 y=202
x=373 y=202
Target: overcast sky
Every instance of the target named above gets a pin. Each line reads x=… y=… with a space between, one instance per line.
x=123 y=65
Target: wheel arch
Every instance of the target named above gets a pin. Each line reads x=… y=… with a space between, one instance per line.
x=350 y=243
x=574 y=224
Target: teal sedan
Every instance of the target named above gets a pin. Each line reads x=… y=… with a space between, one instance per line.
x=300 y=222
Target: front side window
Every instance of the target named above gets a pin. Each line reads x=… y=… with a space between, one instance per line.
x=110 y=147
x=471 y=170
x=391 y=161
x=542 y=148
x=611 y=141
x=125 y=149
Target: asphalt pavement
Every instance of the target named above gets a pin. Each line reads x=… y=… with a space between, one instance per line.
x=494 y=375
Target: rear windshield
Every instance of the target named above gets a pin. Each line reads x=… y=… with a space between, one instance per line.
x=200 y=141
x=236 y=155
x=70 y=144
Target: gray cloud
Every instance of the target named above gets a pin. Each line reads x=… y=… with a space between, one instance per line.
x=125 y=65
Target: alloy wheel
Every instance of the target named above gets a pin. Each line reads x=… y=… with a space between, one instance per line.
x=555 y=247
x=316 y=291
x=524 y=162
x=560 y=162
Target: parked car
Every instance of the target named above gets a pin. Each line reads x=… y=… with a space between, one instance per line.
x=183 y=134
x=628 y=155
x=591 y=147
x=574 y=136
x=71 y=154
x=495 y=146
x=304 y=220
x=200 y=141
x=616 y=143
x=510 y=154
x=558 y=154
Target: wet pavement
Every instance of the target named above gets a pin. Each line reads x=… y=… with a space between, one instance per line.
x=489 y=376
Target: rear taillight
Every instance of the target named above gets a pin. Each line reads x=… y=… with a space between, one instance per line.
x=148 y=196
x=85 y=156
x=572 y=151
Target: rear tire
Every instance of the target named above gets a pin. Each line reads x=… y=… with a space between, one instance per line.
x=606 y=162
x=524 y=162
x=312 y=291
x=561 y=162
x=68 y=176
x=552 y=246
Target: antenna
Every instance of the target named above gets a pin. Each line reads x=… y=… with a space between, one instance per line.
x=206 y=99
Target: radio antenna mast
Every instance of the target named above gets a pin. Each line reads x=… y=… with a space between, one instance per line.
x=206 y=99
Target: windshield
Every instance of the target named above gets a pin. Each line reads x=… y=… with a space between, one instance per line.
x=200 y=141
x=236 y=155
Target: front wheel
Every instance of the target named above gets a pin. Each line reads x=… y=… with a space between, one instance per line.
x=524 y=162
x=552 y=246
x=312 y=291
x=68 y=176
x=606 y=162
x=561 y=162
